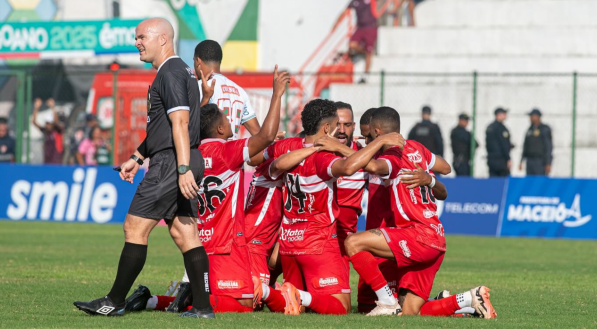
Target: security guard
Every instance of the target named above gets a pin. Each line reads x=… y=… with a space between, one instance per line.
x=428 y=133
x=497 y=141
x=537 y=149
x=461 y=146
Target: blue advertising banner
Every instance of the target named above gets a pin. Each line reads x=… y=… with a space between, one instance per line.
x=64 y=194
x=473 y=205
x=550 y=208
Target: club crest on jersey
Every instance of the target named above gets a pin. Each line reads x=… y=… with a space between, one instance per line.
x=415 y=157
x=405 y=249
x=428 y=213
x=439 y=229
x=208 y=163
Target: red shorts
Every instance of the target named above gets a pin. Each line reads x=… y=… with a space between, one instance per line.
x=323 y=274
x=366 y=37
x=366 y=297
x=417 y=263
x=230 y=274
x=259 y=267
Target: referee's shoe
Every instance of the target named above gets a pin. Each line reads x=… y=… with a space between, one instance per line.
x=101 y=306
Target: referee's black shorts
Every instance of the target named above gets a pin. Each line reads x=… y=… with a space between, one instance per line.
x=158 y=195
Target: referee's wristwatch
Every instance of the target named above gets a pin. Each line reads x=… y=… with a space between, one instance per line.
x=137 y=159
x=182 y=169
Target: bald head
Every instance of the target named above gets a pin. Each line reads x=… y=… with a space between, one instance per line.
x=154 y=38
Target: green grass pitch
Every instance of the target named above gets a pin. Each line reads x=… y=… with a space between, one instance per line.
x=44 y=267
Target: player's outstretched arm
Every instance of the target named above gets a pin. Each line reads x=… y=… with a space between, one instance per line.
x=441 y=166
x=290 y=160
x=252 y=126
x=267 y=133
x=361 y=158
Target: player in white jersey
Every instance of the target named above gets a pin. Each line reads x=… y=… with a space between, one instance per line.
x=230 y=98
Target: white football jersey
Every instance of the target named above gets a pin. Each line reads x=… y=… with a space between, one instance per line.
x=232 y=100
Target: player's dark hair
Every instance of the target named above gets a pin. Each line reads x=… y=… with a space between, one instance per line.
x=366 y=117
x=301 y=134
x=315 y=112
x=387 y=118
x=209 y=51
x=342 y=105
x=209 y=116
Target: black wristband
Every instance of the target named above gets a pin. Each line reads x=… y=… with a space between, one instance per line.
x=137 y=159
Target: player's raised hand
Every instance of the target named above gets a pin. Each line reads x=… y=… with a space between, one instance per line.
x=128 y=170
x=393 y=139
x=280 y=135
x=206 y=88
x=414 y=178
x=281 y=80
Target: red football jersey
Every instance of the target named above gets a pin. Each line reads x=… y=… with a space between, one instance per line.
x=350 y=188
x=309 y=197
x=379 y=214
x=263 y=211
x=414 y=206
x=221 y=194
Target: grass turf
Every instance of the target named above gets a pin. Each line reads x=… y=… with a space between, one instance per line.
x=44 y=267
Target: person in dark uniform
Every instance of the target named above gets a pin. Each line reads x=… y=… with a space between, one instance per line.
x=537 y=148
x=169 y=189
x=428 y=133
x=7 y=143
x=497 y=141
x=461 y=146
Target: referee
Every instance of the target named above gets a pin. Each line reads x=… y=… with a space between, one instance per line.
x=169 y=189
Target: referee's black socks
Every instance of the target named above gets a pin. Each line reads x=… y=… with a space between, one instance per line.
x=197 y=265
x=131 y=263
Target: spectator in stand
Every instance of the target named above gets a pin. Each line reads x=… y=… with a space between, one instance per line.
x=396 y=11
x=497 y=141
x=90 y=123
x=364 y=38
x=7 y=143
x=461 y=146
x=94 y=150
x=52 y=130
x=538 y=147
x=428 y=133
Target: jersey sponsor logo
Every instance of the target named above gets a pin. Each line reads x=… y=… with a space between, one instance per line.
x=255 y=241
x=326 y=282
x=415 y=157
x=61 y=201
x=439 y=229
x=208 y=162
x=548 y=209
x=206 y=234
x=191 y=72
x=105 y=310
x=230 y=90
x=292 y=235
x=405 y=249
x=230 y=284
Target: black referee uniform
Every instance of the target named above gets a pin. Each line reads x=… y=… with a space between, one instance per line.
x=158 y=196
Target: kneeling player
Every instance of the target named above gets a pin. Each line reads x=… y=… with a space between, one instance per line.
x=311 y=259
x=417 y=243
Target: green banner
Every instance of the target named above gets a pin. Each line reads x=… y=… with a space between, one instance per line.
x=109 y=36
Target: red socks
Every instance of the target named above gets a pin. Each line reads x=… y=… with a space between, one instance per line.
x=441 y=307
x=220 y=304
x=366 y=265
x=227 y=304
x=163 y=302
x=326 y=304
x=275 y=301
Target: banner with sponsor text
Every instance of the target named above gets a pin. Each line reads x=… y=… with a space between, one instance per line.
x=550 y=208
x=64 y=194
